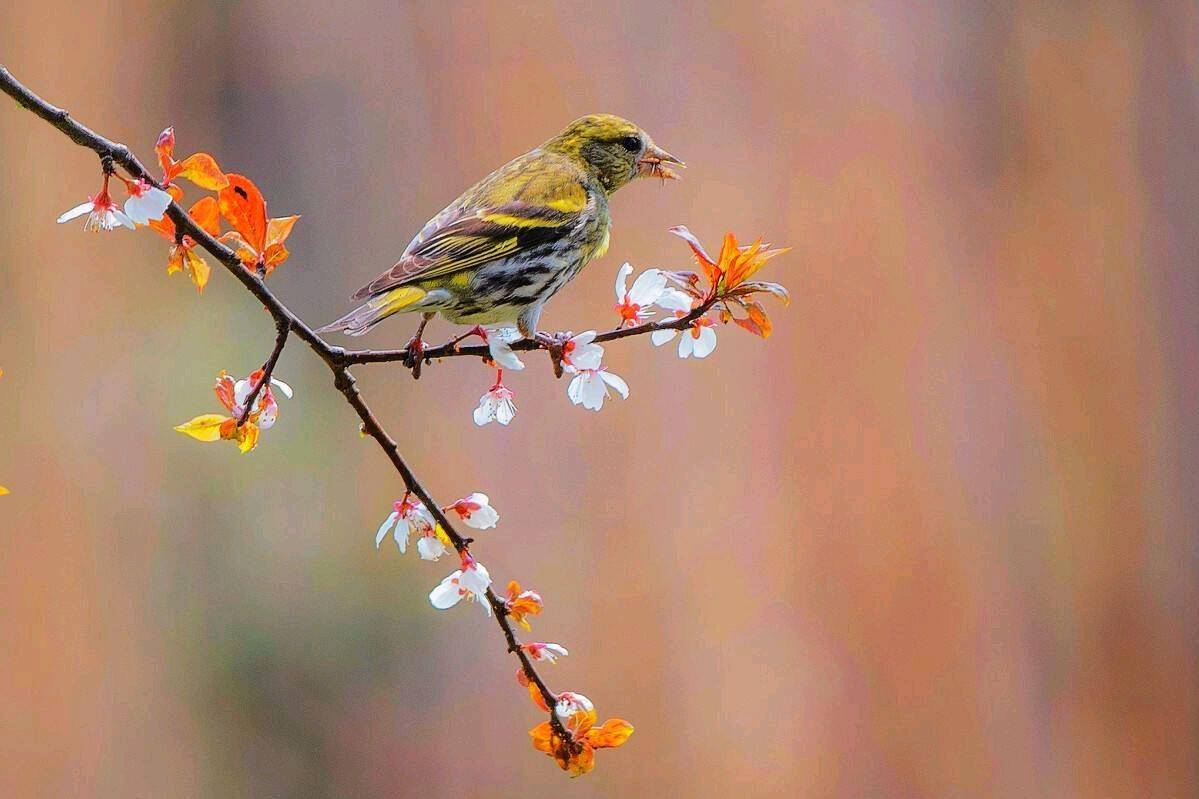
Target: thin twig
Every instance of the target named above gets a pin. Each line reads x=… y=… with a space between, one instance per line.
x=451 y=350
x=268 y=368
x=336 y=358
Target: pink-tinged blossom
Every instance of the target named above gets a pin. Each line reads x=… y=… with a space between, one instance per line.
x=408 y=516
x=475 y=511
x=496 y=405
x=102 y=212
x=265 y=404
x=589 y=387
x=635 y=304
x=698 y=339
x=470 y=582
x=568 y=706
x=581 y=352
x=545 y=652
x=145 y=202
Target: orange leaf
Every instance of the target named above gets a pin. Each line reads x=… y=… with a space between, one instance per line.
x=541 y=735
x=613 y=733
x=277 y=230
x=538 y=699
x=582 y=762
x=206 y=427
x=245 y=253
x=223 y=388
x=758 y=315
x=207 y=214
x=201 y=169
x=274 y=255
x=243 y=207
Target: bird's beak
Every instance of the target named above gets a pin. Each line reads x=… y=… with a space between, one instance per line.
x=653 y=164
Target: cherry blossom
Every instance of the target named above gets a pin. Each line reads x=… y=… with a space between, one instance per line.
x=145 y=201
x=589 y=387
x=265 y=404
x=408 y=515
x=545 y=652
x=699 y=339
x=635 y=304
x=102 y=212
x=580 y=351
x=475 y=511
x=496 y=405
x=470 y=582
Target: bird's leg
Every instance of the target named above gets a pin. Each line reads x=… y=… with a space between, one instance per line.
x=477 y=330
x=415 y=348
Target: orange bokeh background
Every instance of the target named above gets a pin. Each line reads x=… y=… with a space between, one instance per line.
x=936 y=537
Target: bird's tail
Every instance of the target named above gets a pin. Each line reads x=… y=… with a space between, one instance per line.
x=375 y=310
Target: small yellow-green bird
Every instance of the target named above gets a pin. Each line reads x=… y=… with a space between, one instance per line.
x=496 y=254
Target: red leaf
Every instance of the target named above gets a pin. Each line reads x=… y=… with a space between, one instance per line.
x=244 y=208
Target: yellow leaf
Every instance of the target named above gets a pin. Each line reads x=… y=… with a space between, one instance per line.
x=247 y=437
x=205 y=427
x=3 y=491
x=197 y=270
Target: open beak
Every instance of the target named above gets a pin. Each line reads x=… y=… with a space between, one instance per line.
x=653 y=164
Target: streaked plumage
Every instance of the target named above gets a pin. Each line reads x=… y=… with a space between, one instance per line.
x=497 y=253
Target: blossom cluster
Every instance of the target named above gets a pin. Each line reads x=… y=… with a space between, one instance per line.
x=667 y=305
x=257 y=240
x=573 y=713
x=673 y=305
x=234 y=395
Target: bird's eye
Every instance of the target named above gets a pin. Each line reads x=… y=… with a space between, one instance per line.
x=631 y=143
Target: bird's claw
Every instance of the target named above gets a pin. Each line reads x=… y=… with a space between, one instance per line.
x=414 y=355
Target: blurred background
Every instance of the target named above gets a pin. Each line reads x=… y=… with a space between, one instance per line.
x=936 y=537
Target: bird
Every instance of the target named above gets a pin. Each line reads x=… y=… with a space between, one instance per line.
x=498 y=253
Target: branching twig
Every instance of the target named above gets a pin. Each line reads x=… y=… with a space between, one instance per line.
x=451 y=350
x=268 y=368
x=336 y=358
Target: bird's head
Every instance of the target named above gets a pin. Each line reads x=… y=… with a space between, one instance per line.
x=614 y=150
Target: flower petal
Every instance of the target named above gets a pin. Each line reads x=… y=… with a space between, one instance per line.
x=77 y=211
x=660 y=337
x=283 y=387
x=705 y=342
x=383 y=528
x=647 y=288
x=622 y=388
x=429 y=547
x=622 y=279
x=448 y=593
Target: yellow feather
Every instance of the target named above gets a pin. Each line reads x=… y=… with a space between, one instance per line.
x=398 y=299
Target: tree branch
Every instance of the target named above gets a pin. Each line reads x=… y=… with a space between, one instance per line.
x=268 y=368
x=451 y=350
x=286 y=322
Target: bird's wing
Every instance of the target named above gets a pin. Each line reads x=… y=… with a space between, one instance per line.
x=527 y=202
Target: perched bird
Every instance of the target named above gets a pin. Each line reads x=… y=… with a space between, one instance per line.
x=496 y=254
